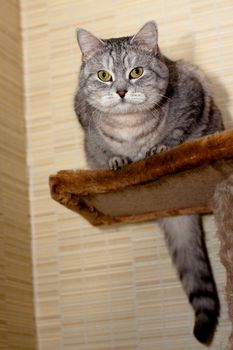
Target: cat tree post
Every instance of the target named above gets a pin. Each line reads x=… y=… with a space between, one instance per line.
x=223 y=211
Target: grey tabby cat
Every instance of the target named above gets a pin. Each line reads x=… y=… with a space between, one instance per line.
x=133 y=102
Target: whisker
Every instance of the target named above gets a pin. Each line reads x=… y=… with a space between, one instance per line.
x=149 y=110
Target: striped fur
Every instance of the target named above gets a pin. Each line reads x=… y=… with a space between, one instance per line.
x=170 y=103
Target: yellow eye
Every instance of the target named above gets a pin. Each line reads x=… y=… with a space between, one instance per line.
x=104 y=75
x=136 y=73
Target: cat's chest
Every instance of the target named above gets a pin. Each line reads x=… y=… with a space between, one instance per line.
x=123 y=128
x=131 y=134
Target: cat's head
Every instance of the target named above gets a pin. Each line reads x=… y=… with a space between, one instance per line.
x=123 y=75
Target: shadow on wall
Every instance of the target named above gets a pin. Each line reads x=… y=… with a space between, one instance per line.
x=185 y=50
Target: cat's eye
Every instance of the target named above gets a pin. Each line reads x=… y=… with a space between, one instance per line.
x=104 y=75
x=136 y=73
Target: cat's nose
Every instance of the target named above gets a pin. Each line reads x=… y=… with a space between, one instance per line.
x=121 y=93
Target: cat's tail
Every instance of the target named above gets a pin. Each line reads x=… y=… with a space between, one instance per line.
x=185 y=242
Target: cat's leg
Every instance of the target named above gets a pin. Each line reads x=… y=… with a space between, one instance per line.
x=185 y=242
x=100 y=156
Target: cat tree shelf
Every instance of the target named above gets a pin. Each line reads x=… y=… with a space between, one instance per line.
x=179 y=181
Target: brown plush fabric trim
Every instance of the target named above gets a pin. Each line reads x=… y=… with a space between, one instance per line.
x=72 y=188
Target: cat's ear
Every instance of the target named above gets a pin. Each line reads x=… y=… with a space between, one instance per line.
x=147 y=37
x=88 y=43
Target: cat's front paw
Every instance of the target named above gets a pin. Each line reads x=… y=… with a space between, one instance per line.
x=157 y=149
x=116 y=162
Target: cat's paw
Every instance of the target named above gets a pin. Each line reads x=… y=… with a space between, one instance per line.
x=157 y=149
x=116 y=162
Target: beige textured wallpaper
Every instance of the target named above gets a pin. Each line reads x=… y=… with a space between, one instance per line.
x=111 y=288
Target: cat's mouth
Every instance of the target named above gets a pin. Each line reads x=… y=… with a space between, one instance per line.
x=132 y=98
x=131 y=102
